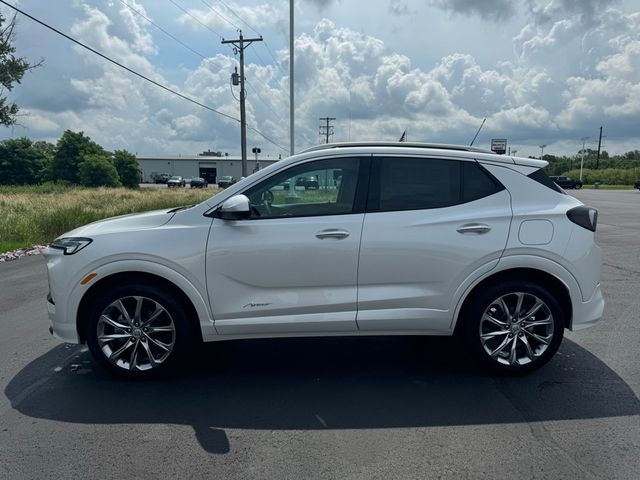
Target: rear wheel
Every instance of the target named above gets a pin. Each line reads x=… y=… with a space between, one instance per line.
x=137 y=331
x=577 y=186
x=515 y=327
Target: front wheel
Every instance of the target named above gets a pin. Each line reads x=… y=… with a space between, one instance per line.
x=577 y=186
x=137 y=331
x=515 y=327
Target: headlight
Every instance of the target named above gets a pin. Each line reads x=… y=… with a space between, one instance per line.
x=70 y=245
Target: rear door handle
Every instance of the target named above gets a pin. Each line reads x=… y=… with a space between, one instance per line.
x=477 y=228
x=332 y=233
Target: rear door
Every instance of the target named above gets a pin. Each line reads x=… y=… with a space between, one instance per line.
x=430 y=223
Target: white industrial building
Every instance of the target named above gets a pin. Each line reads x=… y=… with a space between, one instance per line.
x=208 y=165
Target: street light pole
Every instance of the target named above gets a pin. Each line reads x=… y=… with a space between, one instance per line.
x=256 y=151
x=542 y=151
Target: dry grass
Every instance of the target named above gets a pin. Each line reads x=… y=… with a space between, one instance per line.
x=38 y=214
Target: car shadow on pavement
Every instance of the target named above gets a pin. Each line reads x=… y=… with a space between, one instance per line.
x=328 y=383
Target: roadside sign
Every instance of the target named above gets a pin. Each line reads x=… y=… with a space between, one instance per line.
x=499 y=145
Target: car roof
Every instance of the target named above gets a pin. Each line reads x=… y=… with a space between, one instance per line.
x=432 y=149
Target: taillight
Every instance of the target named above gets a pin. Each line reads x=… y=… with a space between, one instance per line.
x=586 y=217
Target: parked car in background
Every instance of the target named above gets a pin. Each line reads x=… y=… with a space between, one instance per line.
x=567 y=182
x=309 y=183
x=198 y=182
x=160 y=177
x=417 y=239
x=637 y=185
x=226 y=181
x=176 y=181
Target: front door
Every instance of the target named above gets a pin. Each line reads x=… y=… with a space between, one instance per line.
x=291 y=267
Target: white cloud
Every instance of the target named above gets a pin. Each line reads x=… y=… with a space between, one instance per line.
x=576 y=66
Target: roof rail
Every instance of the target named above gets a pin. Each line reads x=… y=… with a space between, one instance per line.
x=440 y=146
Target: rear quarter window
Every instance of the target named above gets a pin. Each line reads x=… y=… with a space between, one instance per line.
x=541 y=177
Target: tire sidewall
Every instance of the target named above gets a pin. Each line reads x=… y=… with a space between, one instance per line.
x=481 y=302
x=168 y=301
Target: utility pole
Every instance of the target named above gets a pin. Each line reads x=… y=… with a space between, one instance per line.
x=240 y=44
x=542 y=151
x=599 y=145
x=291 y=104
x=584 y=140
x=326 y=130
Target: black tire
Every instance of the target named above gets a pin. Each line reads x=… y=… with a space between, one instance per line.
x=486 y=301
x=174 y=314
x=577 y=186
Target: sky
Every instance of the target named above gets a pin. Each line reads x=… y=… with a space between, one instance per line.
x=542 y=72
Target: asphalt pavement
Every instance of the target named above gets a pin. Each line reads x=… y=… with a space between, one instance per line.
x=338 y=408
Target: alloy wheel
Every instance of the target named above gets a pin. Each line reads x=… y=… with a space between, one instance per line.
x=516 y=329
x=136 y=333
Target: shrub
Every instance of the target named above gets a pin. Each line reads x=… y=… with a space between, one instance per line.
x=98 y=171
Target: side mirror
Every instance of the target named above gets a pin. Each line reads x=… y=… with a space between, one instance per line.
x=234 y=208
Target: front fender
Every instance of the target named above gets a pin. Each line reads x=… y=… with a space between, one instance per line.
x=197 y=298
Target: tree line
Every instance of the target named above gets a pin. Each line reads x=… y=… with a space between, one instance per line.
x=613 y=170
x=75 y=159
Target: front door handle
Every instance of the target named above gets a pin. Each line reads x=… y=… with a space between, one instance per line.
x=477 y=228
x=332 y=233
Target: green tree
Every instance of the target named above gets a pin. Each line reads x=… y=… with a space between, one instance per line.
x=128 y=168
x=20 y=162
x=71 y=150
x=12 y=70
x=96 y=170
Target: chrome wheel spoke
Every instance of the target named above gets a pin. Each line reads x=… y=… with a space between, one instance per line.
x=158 y=343
x=539 y=304
x=495 y=321
x=116 y=354
x=544 y=340
x=530 y=353
x=497 y=333
x=501 y=347
x=520 y=296
x=160 y=329
x=153 y=361
x=113 y=323
x=504 y=306
x=133 y=360
x=537 y=323
x=159 y=311
x=139 y=301
x=120 y=306
x=114 y=336
x=513 y=358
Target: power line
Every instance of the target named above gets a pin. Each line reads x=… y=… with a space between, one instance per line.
x=220 y=15
x=262 y=99
x=275 y=60
x=196 y=19
x=138 y=12
x=239 y=17
x=109 y=59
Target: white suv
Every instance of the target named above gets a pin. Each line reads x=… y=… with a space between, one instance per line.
x=399 y=238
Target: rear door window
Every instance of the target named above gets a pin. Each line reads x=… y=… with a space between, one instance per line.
x=426 y=183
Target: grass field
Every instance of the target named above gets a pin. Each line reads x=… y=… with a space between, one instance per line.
x=610 y=187
x=37 y=214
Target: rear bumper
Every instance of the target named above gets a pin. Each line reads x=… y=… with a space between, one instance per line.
x=586 y=314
